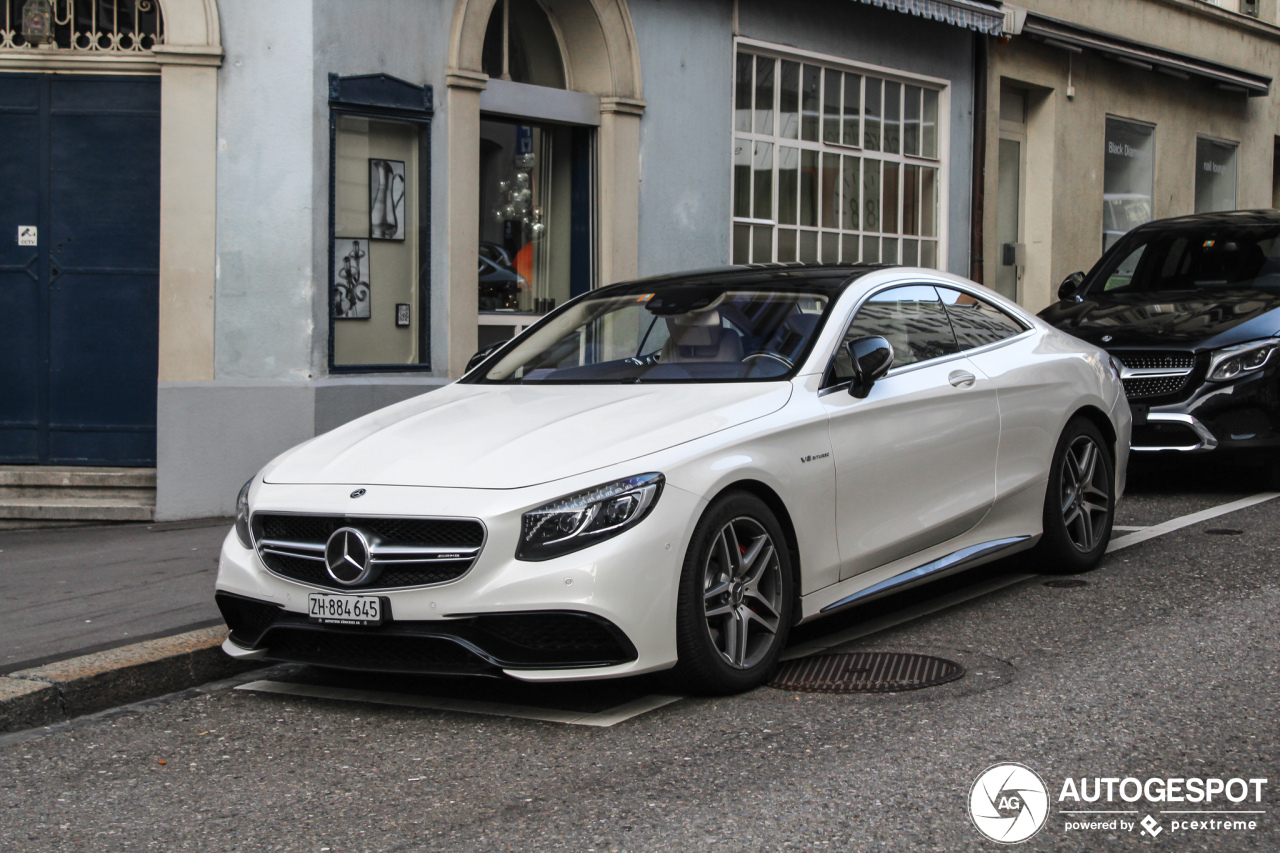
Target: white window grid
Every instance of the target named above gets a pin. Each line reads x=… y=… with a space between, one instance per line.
x=846 y=142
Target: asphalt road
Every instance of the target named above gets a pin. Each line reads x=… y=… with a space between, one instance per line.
x=75 y=590
x=1163 y=665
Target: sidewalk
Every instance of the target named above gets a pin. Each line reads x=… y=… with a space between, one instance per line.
x=71 y=591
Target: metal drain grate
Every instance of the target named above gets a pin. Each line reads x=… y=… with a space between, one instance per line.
x=1066 y=583
x=865 y=672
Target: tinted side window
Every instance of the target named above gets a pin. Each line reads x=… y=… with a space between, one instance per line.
x=911 y=318
x=977 y=322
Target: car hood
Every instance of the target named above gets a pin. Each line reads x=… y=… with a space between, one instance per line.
x=512 y=436
x=1194 y=321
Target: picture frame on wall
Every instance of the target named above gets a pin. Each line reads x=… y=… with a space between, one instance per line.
x=386 y=199
x=352 y=285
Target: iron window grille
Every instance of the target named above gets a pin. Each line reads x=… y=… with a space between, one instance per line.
x=89 y=26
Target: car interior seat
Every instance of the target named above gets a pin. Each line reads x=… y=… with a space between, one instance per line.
x=700 y=337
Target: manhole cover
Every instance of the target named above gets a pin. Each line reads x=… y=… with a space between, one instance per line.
x=865 y=672
x=1066 y=583
x=1224 y=531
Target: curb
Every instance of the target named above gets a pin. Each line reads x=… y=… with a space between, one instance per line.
x=82 y=685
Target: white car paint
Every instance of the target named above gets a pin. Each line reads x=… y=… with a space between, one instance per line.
x=919 y=470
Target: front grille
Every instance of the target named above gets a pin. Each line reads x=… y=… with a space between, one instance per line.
x=375 y=652
x=405 y=552
x=1172 y=435
x=1169 y=372
x=1156 y=386
x=1156 y=360
x=442 y=532
x=1243 y=424
x=562 y=632
x=246 y=618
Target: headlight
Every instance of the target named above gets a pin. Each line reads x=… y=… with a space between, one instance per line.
x=578 y=521
x=242 y=514
x=1232 y=361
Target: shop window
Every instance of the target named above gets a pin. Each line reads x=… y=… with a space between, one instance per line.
x=1128 y=179
x=1215 y=175
x=379 y=236
x=535 y=232
x=834 y=165
x=520 y=44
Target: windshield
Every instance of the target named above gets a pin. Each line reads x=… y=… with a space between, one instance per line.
x=676 y=333
x=1183 y=259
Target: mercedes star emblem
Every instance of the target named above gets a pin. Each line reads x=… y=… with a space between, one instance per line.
x=1105 y=339
x=346 y=556
x=357 y=493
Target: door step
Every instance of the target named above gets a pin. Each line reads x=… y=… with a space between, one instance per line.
x=36 y=496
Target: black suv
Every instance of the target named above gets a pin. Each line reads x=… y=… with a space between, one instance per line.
x=1190 y=308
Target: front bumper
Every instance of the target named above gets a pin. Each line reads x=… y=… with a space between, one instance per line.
x=1240 y=415
x=605 y=611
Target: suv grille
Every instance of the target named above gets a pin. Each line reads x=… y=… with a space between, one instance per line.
x=1159 y=386
x=1144 y=360
x=405 y=552
x=1155 y=373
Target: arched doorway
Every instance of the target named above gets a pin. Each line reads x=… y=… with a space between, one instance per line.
x=599 y=62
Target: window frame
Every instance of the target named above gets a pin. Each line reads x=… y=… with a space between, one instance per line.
x=384 y=98
x=941 y=162
x=1216 y=140
x=1155 y=177
x=829 y=383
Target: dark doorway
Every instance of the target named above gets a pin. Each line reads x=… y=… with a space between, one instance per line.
x=80 y=164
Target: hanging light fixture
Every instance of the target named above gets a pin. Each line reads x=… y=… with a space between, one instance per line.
x=37 y=22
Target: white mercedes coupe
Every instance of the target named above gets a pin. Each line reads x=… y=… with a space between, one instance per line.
x=670 y=473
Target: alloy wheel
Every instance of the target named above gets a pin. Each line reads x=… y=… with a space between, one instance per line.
x=1086 y=495
x=742 y=592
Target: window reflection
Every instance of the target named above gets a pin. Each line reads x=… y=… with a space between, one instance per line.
x=527 y=216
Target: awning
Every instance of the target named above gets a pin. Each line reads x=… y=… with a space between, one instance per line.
x=1076 y=39
x=983 y=17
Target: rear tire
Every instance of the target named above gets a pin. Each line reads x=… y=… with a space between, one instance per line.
x=1079 y=504
x=736 y=598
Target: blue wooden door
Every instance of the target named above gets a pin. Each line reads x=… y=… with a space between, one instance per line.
x=80 y=162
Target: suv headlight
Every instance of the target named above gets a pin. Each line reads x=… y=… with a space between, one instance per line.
x=580 y=520
x=242 y=514
x=1231 y=362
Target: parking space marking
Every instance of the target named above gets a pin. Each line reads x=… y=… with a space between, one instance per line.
x=602 y=719
x=1187 y=520
x=1125 y=528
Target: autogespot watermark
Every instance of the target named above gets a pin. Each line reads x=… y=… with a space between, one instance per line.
x=1010 y=803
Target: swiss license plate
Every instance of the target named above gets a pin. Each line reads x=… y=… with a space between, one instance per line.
x=345 y=609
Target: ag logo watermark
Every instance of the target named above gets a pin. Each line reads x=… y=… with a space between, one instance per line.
x=1009 y=803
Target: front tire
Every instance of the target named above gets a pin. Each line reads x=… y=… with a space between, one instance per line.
x=1079 y=505
x=736 y=598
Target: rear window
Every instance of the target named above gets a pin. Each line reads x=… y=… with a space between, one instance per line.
x=1181 y=260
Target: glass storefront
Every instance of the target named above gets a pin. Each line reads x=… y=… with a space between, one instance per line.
x=1129 y=178
x=535 y=229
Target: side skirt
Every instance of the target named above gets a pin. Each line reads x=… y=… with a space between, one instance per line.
x=955 y=561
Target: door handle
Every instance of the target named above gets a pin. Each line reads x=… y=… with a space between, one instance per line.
x=961 y=380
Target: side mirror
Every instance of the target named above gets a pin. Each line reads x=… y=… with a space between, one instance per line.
x=478 y=358
x=1071 y=285
x=871 y=358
